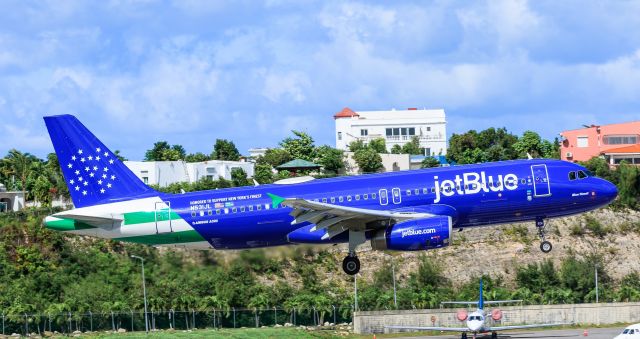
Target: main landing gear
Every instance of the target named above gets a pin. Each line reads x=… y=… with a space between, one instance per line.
x=464 y=335
x=351 y=263
x=545 y=246
x=494 y=335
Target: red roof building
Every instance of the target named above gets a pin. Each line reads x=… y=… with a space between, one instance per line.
x=630 y=154
x=592 y=141
x=346 y=113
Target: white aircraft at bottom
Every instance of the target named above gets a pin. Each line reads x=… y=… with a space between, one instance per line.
x=476 y=321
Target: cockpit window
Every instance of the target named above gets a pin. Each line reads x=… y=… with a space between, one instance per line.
x=572 y=175
x=626 y=330
x=581 y=175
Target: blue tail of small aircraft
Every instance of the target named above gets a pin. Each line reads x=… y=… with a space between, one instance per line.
x=481 y=300
x=94 y=175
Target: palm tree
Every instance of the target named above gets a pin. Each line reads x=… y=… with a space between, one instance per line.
x=18 y=164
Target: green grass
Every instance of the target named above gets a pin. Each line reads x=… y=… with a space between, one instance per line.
x=260 y=333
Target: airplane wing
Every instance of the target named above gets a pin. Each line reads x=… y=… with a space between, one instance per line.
x=337 y=219
x=420 y=328
x=102 y=221
x=515 y=327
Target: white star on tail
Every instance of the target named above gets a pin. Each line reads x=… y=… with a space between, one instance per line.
x=102 y=190
x=84 y=192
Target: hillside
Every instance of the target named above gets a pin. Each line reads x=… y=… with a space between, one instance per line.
x=43 y=270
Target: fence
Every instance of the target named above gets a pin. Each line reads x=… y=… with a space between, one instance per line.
x=602 y=313
x=68 y=322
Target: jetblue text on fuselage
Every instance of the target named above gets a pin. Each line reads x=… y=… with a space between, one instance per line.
x=472 y=183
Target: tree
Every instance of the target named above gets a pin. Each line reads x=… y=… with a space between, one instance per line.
x=263 y=173
x=161 y=151
x=396 y=149
x=379 y=145
x=331 y=159
x=274 y=157
x=300 y=147
x=530 y=143
x=488 y=145
x=412 y=147
x=368 y=160
x=196 y=157
x=18 y=165
x=225 y=150
x=356 y=145
x=429 y=162
x=629 y=184
x=239 y=177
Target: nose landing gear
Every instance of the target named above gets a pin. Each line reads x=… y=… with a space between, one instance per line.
x=545 y=246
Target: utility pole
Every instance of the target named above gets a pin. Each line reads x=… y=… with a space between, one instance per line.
x=596 y=283
x=355 y=292
x=144 y=292
x=393 y=272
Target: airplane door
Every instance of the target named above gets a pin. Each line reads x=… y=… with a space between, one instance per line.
x=396 y=195
x=163 y=217
x=384 y=197
x=541 y=185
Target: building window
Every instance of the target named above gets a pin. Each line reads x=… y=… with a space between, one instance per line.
x=620 y=139
x=583 y=142
x=428 y=128
x=396 y=131
x=145 y=180
x=339 y=135
x=403 y=131
x=412 y=131
x=364 y=132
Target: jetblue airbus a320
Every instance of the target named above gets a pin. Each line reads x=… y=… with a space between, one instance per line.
x=404 y=211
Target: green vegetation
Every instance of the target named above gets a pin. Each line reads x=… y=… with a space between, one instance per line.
x=259 y=333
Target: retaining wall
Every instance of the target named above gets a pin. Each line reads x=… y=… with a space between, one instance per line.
x=365 y=322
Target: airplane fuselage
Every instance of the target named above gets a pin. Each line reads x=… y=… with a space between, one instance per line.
x=246 y=217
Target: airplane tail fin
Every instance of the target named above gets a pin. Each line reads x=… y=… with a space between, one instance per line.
x=94 y=175
x=481 y=300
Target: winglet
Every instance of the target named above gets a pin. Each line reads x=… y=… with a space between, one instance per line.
x=275 y=200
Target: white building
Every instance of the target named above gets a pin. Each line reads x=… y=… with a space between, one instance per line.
x=10 y=200
x=397 y=127
x=163 y=173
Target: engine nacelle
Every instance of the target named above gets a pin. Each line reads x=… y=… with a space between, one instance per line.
x=496 y=314
x=461 y=315
x=414 y=235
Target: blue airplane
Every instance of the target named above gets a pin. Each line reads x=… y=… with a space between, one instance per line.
x=404 y=211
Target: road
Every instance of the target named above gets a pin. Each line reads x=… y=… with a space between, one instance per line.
x=595 y=333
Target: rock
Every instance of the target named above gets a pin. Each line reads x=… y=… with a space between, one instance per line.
x=76 y=332
x=277 y=325
x=288 y=324
x=15 y=335
x=48 y=334
x=326 y=324
x=122 y=330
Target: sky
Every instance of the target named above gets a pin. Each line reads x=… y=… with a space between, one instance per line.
x=190 y=71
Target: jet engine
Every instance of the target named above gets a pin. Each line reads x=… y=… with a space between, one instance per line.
x=414 y=235
x=461 y=315
x=496 y=314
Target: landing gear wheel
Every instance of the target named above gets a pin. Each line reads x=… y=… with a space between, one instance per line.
x=545 y=246
x=351 y=265
x=494 y=335
x=463 y=336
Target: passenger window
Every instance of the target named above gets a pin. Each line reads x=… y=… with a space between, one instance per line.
x=373 y=196
x=217 y=211
x=324 y=200
x=242 y=209
x=226 y=211
x=193 y=214
x=348 y=198
x=259 y=207
x=210 y=213
x=416 y=191
x=433 y=190
x=581 y=175
x=572 y=175
x=340 y=199
x=357 y=197
x=234 y=210
x=250 y=208
x=408 y=192
x=523 y=181
x=366 y=196
x=333 y=199
x=425 y=190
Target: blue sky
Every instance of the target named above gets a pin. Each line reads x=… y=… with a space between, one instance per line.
x=190 y=71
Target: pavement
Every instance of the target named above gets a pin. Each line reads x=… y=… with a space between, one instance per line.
x=595 y=333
